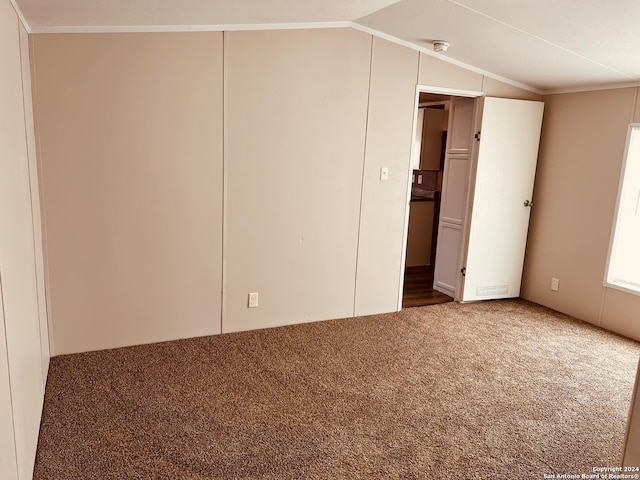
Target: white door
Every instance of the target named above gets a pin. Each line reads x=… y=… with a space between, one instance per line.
x=502 y=192
x=455 y=185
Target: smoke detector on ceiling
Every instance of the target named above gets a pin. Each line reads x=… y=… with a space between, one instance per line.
x=440 y=46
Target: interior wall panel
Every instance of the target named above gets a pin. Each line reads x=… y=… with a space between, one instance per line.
x=631 y=454
x=35 y=200
x=22 y=356
x=130 y=137
x=8 y=462
x=297 y=109
x=621 y=313
x=581 y=151
x=390 y=120
x=420 y=234
x=496 y=88
x=8 y=30
x=438 y=73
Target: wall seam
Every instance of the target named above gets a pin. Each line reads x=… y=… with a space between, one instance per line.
x=634 y=106
x=43 y=217
x=33 y=229
x=364 y=173
x=225 y=175
x=4 y=318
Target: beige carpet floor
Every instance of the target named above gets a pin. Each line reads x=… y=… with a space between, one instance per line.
x=493 y=390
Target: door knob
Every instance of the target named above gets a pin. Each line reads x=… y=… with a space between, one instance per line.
x=527 y=203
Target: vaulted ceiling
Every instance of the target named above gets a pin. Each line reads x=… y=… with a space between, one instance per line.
x=548 y=45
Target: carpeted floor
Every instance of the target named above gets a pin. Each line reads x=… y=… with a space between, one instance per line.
x=493 y=390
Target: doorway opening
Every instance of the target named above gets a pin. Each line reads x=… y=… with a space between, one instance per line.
x=483 y=197
x=429 y=275
x=428 y=155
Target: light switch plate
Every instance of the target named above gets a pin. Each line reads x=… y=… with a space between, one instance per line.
x=384 y=174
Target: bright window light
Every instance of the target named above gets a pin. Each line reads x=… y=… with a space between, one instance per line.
x=623 y=271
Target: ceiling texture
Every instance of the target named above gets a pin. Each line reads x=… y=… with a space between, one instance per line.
x=546 y=45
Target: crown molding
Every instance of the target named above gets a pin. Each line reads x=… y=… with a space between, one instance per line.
x=304 y=26
x=23 y=20
x=591 y=88
x=185 y=28
x=444 y=58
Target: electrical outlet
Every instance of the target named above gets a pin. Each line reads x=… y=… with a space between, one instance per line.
x=555 y=284
x=253 y=300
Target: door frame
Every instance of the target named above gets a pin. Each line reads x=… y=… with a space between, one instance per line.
x=463 y=244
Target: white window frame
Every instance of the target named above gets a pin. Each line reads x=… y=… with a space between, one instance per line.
x=633 y=127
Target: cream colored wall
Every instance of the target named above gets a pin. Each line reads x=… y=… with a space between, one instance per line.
x=620 y=310
x=621 y=313
x=8 y=147
x=299 y=217
x=431 y=144
x=495 y=88
x=438 y=73
x=420 y=234
x=576 y=187
x=297 y=111
x=24 y=352
x=131 y=130
x=391 y=112
x=35 y=198
x=130 y=138
x=8 y=465
x=631 y=455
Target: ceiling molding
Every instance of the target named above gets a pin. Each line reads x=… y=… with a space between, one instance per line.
x=245 y=27
x=20 y=16
x=444 y=58
x=591 y=88
x=317 y=25
x=188 y=28
x=273 y=26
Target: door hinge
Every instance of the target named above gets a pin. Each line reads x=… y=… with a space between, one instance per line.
x=463 y=271
x=477 y=136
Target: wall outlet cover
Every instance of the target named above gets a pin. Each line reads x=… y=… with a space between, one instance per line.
x=253 y=300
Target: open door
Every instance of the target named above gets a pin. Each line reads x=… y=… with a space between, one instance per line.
x=501 y=198
x=455 y=185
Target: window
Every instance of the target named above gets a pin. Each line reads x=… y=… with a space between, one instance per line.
x=623 y=271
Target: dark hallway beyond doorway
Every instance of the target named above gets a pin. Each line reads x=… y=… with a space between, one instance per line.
x=418 y=288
